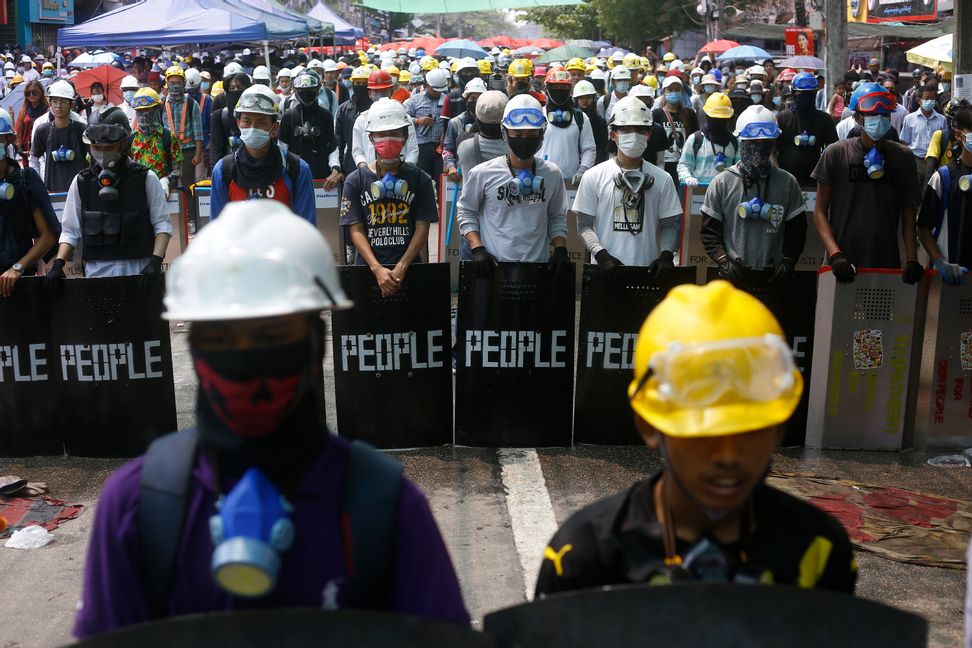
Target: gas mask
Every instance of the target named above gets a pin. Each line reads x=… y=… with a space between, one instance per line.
x=63 y=154
x=307 y=129
x=874 y=163
x=526 y=184
x=754 y=208
x=107 y=182
x=389 y=187
x=803 y=139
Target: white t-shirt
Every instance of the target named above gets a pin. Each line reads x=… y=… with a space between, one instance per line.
x=362 y=150
x=627 y=235
x=569 y=147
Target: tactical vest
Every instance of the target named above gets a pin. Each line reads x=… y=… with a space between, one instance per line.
x=17 y=223
x=114 y=230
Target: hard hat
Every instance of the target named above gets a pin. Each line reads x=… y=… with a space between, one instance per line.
x=8 y=66
x=231 y=69
x=651 y=81
x=6 y=124
x=521 y=69
x=47 y=66
x=257 y=259
x=879 y=100
x=757 y=123
x=645 y=63
x=485 y=67
x=697 y=72
x=330 y=65
x=15 y=79
x=630 y=111
x=404 y=76
x=617 y=57
x=475 y=86
x=25 y=59
x=557 y=76
x=620 y=73
x=258 y=99
x=261 y=72
x=193 y=78
x=360 y=73
x=129 y=83
x=669 y=57
x=284 y=73
x=661 y=67
x=631 y=61
x=175 y=71
x=641 y=90
x=467 y=63
x=393 y=71
x=506 y=51
x=583 y=88
x=490 y=107
x=61 y=89
x=379 y=80
x=718 y=105
x=677 y=65
x=428 y=63
x=576 y=64
x=145 y=99
x=523 y=112
x=598 y=75
x=712 y=361
x=756 y=70
x=385 y=115
x=313 y=64
x=437 y=79
x=294 y=71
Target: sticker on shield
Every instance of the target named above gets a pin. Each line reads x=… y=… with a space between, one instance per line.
x=965 y=350
x=868 y=349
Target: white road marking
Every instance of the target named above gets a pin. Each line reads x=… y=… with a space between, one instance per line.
x=530 y=510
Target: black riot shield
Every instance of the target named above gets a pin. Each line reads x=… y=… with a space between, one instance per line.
x=392 y=360
x=705 y=616
x=515 y=357
x=113 y=357
x=612 y=312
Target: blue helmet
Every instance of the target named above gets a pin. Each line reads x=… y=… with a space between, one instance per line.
x=717 y=73
x=863 y=89
x=804 y=81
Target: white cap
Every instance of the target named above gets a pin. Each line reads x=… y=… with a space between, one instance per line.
x=475 y=85
x=620 y=73
x=677 y=65
x=582 y=88
x=258 y=259
x=385 y=115
x=129 y=83
x=491 y=106
x=756 y=70
x=246 y=51
x=437 y=79
x=630 y=111
x=670 y=81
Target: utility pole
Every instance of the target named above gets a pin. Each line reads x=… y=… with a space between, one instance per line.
x=962 y=38
x=835 y=41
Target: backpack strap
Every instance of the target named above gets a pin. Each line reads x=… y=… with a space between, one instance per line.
x=228 y=166
x=167 y=148
x=293 y=170
x=946 y=178
x=369 y=511
x=162 y=500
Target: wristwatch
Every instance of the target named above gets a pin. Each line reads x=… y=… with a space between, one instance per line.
x=19 y=267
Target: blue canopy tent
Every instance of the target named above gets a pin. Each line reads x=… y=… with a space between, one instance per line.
x=344 y=32
x=314 y=25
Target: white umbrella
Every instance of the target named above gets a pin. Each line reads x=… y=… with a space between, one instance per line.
x=934 y=53
x=13 y=100
x=89 y=60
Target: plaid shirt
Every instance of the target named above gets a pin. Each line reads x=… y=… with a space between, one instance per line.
x=147 y=150
x=193 y=130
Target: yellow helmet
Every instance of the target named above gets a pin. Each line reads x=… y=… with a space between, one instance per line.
x=145 y=99
x=576 y=63
x=428 y=63
x=175 y=70
x=360 y=73
x=404 y=77
x=505 y=51
x=718 y=105
x=645 y=63
x=669 y=57
x=631 y=61
x=651 y=81
x=394 y=71
x=454 y=66
x=216 y=89
x=485 y=67
x=521 y=69
x=719 y=365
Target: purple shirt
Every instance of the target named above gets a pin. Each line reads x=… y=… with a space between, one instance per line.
x=312 y=571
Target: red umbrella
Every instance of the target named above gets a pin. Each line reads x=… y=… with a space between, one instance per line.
x=546 y=43
x=786 y=75
x=108 y=76
x=718 y=46
x=428 y=43
x=498 y=41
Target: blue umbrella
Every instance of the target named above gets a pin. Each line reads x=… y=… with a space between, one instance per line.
x=461 y=48
x=608 y=53
x=744 y=53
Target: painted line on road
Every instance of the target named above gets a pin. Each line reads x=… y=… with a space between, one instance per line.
x=531 y=512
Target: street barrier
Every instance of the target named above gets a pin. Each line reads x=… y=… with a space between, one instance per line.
x=515 y=357
x=705 y=615
x=93 y=375
x=200 y=202
x=866 y=353
x=392 y=359
x=611 y=314
x=328 y=219
x=793 y=306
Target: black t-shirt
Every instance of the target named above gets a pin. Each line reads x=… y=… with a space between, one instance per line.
x=618 y=540
x=389 y=223
x=801 y=160
x=312 y=149
x=48 y=138
x=958 y=227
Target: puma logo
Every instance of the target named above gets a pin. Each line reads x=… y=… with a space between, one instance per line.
x=557 y=557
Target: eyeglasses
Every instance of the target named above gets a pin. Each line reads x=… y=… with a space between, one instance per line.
x=525 y=116
x=32 y=93
x=760 y=130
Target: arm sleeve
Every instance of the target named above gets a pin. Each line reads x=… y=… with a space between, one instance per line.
x=588 y=147
x=357 y=141
x=668 y=235
x=197 y=131
x=410 y=108
x=557 y=209
x=712 y=202
x=218 y=196
x=713 y=238
x=909 y=193
x=905 y=134
x=339 y=135
x=934 y=146
x=71 y=216
x=470 y=203
x=686 y=163
x=585 y=228
x=411 y=151
x=303 y=202
x=286 y=132
x=158 y=212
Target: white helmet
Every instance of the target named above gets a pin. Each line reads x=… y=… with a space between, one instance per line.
x=129 y=83
x=630 y=111
x=61 y=89
x=444 y=65
x=437 y=79
x=620 y=73
x=529 y=115
x=385 y=115
x=8 y=66
x=597 y=74
x=258 y=99
x=756 y=123
x=283 y=73
x=232 y=68
x=582 y=88
x=475 y=85
x=467 y=63
x=261 y=72
x=296 y=70
x=193 y=78
x=756 y=70
x=330 y=65
x=258 y=259
x=315 y=64
x=641 y=90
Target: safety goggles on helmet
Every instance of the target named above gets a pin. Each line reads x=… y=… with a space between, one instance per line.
x=256 y=103
x=877 y=102
x=104 y=134
x=525 y=116
x=759 y=130
x=143 y=102
x=696 y=375
x=306 y=81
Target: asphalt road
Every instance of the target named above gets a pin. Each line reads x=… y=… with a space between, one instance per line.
x=482 y=499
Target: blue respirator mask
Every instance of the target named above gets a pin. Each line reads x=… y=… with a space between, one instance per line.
x=63 y=154
x=250 y=532
x=754 y=208
x=7 y=191
x=720 y=161
x=560 y=116
x=527 y=183
x=803 y=139
x=874 y=163
x=389 y=187
x=234 y=142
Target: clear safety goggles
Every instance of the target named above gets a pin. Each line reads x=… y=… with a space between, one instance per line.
x=257 y=104
x=696 y=375
x=525 y=117
x=306 y=81
x=760 y=130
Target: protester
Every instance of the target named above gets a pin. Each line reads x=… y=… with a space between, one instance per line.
x=425 y=109
x=34 y=106
x=621 y=84
x=919 y=126
x=570 y=143
x=347 y=116
x=461 y=127
x=585 y=97
x=362 y=149
x=197 y=87
x=805 y=131
x=59 y=142
x=308 y=131
x=678 y=121
x=225 y=132
x=152 y=144
x=712 y=149
x=183 y=119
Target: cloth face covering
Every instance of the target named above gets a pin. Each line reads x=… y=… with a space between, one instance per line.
x=754 y=158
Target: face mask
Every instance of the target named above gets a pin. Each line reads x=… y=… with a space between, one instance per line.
x=307 y=96
x=756 y=98
x=558 y=96
x=389 y=148
x=48 y=73
x=129 y=95
x=105 y=159
x=632 y=144
x=877 y=126
x=232 y=97
x=204 y=86
x=928 y=105
x=255 y=138
x=622 y=86
x=524 y=148
x=709 y=88
x=696 y=80
x=346 y=83
x=490 y=130
x=97 y=98
x=148 y=120
x=176 y=89
x=777 y=101
x=968 y=142
x=804 y=101
x=673 y=98
x=754 y=157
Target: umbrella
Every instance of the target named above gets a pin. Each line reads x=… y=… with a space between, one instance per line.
x=108 y=76
x=582 y=42
x=718 y=46
x=564 y=53
x=804 y=63
x=13 y=100
x=428 y=43
x=936 y=52
x=498 y=41
x=608 y=53
x=461 y=48
x=89 y=60
x=602 y=43
x=744 y=53
x=528 y=50
x=546 y=43
x=786 y=75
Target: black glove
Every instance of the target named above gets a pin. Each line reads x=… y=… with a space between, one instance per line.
x=731 y=269
x=606 y=264
x=154 y=266
x=844 y=270
x=483 y=263
x=54 y=279
x=784 y=272
x=913 y=272
x=661 y=265
x=559 y=260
